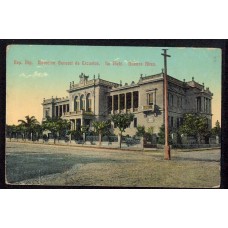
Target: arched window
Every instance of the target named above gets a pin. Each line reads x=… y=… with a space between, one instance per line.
x=88 y=102
x=76 y=103
x=82 y=102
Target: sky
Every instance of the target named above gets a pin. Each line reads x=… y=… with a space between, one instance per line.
x=28 y=82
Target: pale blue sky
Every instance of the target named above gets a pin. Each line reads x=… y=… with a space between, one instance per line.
x=30 y=83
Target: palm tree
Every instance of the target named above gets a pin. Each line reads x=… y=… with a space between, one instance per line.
x=29 y=123
x=50 y=124
x=37 y=130
x=10 y=130
x=56 y=126
x=22 y=129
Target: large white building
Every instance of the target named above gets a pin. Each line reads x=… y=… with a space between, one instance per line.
x=95 y=99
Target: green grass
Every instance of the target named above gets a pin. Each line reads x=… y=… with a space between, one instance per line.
x=72 y=167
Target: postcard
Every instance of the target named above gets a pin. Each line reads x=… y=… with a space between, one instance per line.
x=113 y=116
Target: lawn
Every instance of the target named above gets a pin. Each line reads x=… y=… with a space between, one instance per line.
x=64 y=166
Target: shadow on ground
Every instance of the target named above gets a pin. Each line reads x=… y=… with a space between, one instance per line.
x=25 y=165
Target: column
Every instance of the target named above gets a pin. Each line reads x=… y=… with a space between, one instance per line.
x=82 y=121
x=85 y=104
x=59 y=110
x=202 y=104
x=205 y=107
x=72 y=106
x=210 y=106
x=118 y=103
x=112 y=104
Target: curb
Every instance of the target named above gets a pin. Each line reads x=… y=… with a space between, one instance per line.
x=79 y=146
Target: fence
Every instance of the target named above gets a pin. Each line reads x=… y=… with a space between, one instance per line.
x=110 y=141
x=113 y=141
x=95 y=138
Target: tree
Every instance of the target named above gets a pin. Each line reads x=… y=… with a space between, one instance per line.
x=37 y=131
x=149 y=133
x=122 y=121
x=195 y=125
x=140 y=131
x=63 y=127
x=75 y=134
x=29 y=123
x=216 y=131
x=22 y=129
x=56 y=126
x=10 y=130
x=161 y=135
x=101 y=127
x=84 y=128
x=51 y=125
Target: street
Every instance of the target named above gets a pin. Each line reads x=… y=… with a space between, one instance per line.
x=37 y=164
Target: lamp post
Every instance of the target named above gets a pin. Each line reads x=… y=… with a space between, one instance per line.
x=167 y=147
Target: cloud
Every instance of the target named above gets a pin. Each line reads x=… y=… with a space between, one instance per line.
x=116 y=59
x=132 y=61
x=35 y=74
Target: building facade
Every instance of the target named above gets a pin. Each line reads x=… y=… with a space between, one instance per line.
x=96 y=99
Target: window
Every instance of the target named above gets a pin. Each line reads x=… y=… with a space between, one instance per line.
x=135 y=122
x=122 y=101
x=179 y=122
x=56 y=111
x=207 y=105
x=83 y=104
x=198 y=104
x=150 y=98
x=89 y=105
x=170 y=98
x=46 y=113
x=207 y=122
x=109 y=104
x=77 y=105
x=178 y=102
x=171 y=121
x=135 y=99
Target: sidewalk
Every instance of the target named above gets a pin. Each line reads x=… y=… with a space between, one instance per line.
x=124 y=147
x=68 y=144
